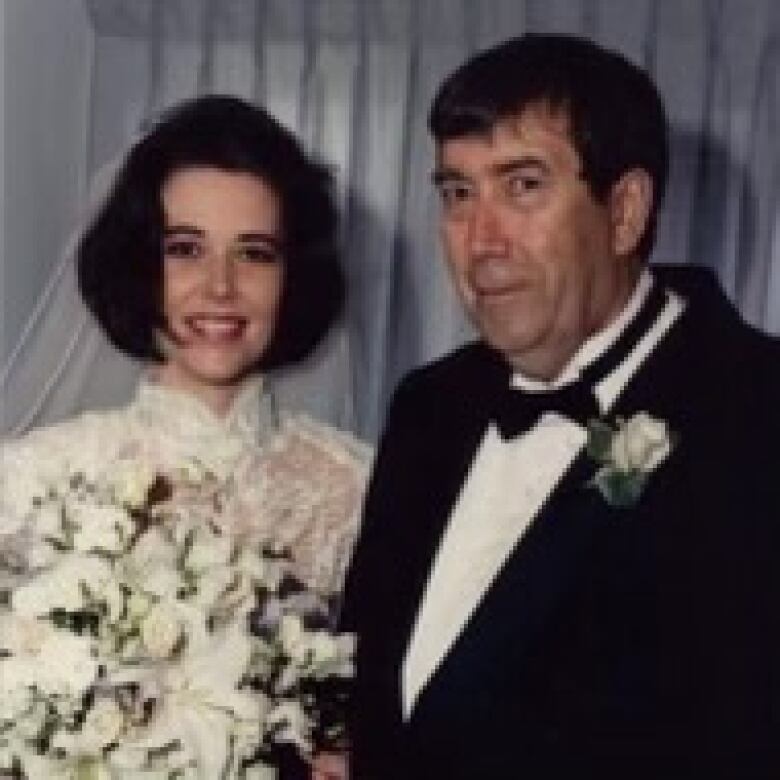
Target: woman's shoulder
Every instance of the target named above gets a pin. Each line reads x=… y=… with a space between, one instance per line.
x=315 y=481
x=69 y=440
x=323 y=440
x=35 y=461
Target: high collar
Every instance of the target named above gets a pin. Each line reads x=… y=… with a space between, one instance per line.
x=182 y=419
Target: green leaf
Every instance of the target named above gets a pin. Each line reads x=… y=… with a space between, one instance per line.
x=600 y=436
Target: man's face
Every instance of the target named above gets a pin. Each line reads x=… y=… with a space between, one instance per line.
x=539 y=263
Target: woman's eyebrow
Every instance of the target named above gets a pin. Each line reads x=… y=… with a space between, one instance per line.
x=183 y=229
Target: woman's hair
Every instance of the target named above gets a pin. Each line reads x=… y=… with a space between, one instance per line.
x=119 y=259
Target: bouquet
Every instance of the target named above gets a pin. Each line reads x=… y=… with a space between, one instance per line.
x=141 y=636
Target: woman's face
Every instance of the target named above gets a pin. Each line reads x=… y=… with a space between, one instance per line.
x=222 y=278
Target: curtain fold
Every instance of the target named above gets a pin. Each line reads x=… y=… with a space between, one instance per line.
x=354 y=78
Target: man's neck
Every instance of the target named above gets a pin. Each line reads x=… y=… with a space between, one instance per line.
x=570 y=362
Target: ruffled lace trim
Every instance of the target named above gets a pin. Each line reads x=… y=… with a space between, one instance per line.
x=299 y=480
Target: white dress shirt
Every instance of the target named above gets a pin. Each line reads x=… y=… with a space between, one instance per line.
x=507 y=484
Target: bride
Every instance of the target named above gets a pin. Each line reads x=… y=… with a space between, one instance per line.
x=214 y=261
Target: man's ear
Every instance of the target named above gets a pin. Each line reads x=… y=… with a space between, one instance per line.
x=630 y=200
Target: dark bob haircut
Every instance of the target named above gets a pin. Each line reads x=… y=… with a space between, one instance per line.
x=616 y=118
x=119 y=259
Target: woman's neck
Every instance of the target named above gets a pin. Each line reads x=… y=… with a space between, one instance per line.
x=217 y=397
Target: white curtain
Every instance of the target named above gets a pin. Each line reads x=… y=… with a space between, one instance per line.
x=354 y=79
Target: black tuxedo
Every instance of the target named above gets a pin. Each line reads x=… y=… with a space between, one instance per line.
x=638 y=642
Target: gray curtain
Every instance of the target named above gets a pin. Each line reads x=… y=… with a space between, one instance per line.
x=354 y=79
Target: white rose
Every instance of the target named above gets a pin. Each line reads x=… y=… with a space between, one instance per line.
x=48 y=520
x=291 y=635
x=210 y=551
x=101 y=526
x=66 y=665
x=103 y=724
x=254 y=566
x=130 y=481
x=640 y=444
x=23 y=634
x=192 y=471
x=138 y=605
x=161 y=582
x=152 y=552
x=15 y=695
x=292 y=723
x=23 y=479
x=332 y=654
x=61 y=586
x=161 y=630
x=261 y=772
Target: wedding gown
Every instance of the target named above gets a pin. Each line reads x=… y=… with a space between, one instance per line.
x=285 y=474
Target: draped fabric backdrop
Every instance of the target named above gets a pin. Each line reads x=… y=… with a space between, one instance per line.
x=354 y=79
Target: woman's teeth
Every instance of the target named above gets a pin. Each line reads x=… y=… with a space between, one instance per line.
x=216 y=326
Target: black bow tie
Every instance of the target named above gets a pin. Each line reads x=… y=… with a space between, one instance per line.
x=516 y=410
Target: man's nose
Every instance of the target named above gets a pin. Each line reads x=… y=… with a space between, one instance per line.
x=485 y=229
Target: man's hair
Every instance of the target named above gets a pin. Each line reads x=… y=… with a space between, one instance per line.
x=119 y=259
x=615 y=114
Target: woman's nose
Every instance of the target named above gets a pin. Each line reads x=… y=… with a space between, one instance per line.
x=221 y=275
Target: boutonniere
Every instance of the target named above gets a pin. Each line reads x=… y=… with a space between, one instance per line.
x=627 y=453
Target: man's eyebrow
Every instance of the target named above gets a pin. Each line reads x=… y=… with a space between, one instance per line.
x=442 y=175
x=525 y=164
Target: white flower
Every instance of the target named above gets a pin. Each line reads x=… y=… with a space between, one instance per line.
x=62 y=586
x=23 y=634
x=210 y=551
x=290 y=724
x=152 y=552
x=130 y=481
x=627 y=454
x=103 y=724
x=293 y=639
x=640 y=444
x=64 y=665
x=101 y=526
x=48 y=520
x=331 y=655
x=161 y=630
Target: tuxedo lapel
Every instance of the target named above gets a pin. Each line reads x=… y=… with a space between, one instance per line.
x=549 y=556
x=539 y=572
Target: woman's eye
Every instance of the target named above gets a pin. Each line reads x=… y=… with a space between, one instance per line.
x=182 y=248
x=258 y=253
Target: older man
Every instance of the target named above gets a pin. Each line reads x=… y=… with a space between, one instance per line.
x=569 y=559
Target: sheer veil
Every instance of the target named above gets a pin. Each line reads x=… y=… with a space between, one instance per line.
x=63 y=364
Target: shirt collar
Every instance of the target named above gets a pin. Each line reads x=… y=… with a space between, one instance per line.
x=592 y=347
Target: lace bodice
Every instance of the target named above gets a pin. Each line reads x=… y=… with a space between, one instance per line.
x=299 y=480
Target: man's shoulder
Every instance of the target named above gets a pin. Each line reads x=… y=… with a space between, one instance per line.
x=451 y=386
x=473 y=361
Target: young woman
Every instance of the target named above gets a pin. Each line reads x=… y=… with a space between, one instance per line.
x=214 y=260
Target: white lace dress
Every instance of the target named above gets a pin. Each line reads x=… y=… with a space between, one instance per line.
x=299 y=480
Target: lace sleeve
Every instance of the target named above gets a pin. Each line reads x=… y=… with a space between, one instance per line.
x=314 y=482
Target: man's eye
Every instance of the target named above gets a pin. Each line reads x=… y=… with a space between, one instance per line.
x=182 y=248
x=455 y=193
x=258 y=253
x=522 y=186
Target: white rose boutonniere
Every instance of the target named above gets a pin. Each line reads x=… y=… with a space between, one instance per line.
x=627 y=453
